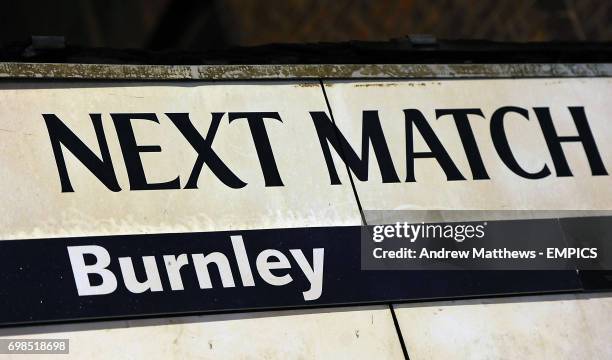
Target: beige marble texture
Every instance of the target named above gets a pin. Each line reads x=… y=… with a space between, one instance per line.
x=339 y=333
x=534 y=327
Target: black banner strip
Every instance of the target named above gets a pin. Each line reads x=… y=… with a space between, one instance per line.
x=38 y=278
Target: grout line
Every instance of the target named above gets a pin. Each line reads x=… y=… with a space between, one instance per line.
x=331 y=114
x=398 y=330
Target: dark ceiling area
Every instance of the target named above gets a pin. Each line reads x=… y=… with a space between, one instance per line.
x=190 y=25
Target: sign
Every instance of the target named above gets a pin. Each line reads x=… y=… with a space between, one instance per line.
x=142 y=199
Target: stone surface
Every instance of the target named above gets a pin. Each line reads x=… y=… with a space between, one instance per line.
x=535 y=327
x=339 y=333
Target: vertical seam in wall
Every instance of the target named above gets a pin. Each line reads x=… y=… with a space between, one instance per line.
x=398 y=330
x=331 y=115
